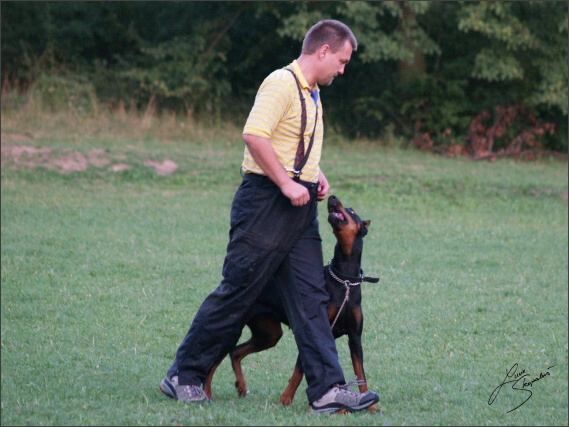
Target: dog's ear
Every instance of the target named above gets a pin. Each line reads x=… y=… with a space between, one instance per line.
x=364 y=227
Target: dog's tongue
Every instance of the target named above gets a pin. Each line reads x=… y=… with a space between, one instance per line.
x=339 y=215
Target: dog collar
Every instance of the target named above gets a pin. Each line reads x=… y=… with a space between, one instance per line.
x=351 y=280
x=347 y=282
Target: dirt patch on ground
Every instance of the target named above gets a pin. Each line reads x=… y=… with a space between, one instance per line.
x=18 y=156
x=166 y=167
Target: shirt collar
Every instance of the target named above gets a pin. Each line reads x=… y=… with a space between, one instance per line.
x=301 y=79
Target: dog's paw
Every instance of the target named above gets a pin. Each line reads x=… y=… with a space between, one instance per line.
x=241 y=388
x=285 y=400
x=207 y=391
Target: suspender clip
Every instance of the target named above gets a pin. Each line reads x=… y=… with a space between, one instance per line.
x=296 y=173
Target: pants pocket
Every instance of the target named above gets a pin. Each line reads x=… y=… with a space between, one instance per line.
x=242 y=257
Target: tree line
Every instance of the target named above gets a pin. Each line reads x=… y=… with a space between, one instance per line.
x=482 y=78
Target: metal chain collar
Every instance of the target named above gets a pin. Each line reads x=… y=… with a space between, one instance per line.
x=347 y=285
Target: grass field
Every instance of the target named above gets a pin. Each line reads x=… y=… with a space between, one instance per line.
x=102 y=272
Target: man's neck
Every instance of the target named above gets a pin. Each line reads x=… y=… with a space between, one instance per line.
x=306 y=66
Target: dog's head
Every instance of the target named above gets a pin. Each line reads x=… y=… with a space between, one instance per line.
x=346 y=224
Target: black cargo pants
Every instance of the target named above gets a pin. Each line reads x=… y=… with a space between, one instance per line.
x=268 y=236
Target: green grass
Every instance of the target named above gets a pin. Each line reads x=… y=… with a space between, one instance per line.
x=103 y=271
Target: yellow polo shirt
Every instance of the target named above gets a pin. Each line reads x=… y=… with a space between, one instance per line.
x=276 y=115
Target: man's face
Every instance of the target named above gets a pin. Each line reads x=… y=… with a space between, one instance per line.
x=333 y=64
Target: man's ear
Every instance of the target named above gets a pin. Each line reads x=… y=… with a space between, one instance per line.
x=324 y=50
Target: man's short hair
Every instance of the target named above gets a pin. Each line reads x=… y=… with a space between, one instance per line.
x=331 y=32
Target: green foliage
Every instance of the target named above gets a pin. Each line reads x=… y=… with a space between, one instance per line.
x=496 y=20
x=72 y=93
x=438 y=63
x=182 y=69
x=518 y=39
x=295 y=26
x=486 y=66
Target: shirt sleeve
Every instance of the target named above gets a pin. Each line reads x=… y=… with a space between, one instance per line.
x=270 y=108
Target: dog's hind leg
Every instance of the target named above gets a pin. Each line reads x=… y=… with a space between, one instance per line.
x=288 y=394
x=266 y=331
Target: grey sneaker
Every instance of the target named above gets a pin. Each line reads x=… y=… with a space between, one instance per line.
x=185 y=393
x=339 y=399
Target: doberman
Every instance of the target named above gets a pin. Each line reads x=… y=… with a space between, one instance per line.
x=343 y=276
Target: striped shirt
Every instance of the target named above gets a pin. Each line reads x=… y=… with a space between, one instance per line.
x=276 y=115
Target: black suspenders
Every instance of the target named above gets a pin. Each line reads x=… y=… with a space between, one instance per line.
x=301 y=157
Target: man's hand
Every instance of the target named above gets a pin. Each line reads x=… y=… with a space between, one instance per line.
x=297 y=193
x=323 y=186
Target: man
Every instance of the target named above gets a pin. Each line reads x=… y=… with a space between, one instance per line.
x=275 y=234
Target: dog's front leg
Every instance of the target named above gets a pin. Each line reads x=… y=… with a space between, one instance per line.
x=357 y=355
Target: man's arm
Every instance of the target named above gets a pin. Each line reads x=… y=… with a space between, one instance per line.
x=264 y=154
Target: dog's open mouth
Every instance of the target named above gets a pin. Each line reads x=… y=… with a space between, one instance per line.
x=336 y=212
x=338 y=215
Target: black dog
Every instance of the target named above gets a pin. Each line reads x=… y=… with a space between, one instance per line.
x=343 y=277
